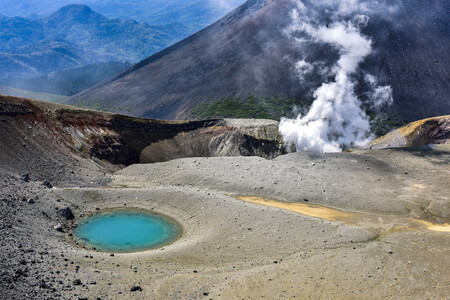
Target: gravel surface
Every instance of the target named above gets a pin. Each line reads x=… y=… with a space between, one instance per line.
x=232 y=249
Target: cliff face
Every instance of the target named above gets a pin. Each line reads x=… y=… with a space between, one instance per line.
x=420 y=133
x=228 y=137
x=37 y=134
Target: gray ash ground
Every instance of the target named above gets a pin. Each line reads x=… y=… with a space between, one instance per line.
x=32 y=267
x=26 y=263
x=231 y=248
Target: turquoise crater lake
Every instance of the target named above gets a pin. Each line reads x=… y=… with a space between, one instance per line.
x=127 y=231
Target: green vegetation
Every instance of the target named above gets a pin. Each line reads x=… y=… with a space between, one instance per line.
x=277 y=107
x=253 y=107
x=381 y=124
x=96 y=105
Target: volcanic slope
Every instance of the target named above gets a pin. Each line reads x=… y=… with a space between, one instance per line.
x=249 y=53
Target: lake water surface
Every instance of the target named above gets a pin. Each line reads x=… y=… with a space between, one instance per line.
x=127 y=231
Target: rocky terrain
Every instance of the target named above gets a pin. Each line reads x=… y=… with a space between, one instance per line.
x=420 y=133
x=363 y=223
x=41 y=137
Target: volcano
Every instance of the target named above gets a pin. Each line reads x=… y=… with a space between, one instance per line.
x=248 y=53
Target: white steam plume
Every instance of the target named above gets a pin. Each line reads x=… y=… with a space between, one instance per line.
x=302 y=67
x=335 y=118
x=380 y=96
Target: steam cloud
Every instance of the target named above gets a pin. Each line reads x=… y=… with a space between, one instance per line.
x=335 y=119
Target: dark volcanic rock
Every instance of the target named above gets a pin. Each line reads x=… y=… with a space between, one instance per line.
x=77 y=282
x=136 y=288
x=66 y=212
x=26 y=177
x=47 y=184
x=21 y=272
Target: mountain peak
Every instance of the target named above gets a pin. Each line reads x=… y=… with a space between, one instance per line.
x=75 y=12
x=75 y=8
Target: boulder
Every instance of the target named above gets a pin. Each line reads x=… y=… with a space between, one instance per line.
x=58 y=227
x=25 y=177
x=136 y=288
x=47 y=184
x=77 y=282
x=66 y=213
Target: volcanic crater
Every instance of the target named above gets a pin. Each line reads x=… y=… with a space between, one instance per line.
x=258 y=219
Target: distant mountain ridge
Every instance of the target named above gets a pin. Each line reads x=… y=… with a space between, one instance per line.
x=75 y=36
x=9 y=91
x=195 y=14
x=68 y=82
